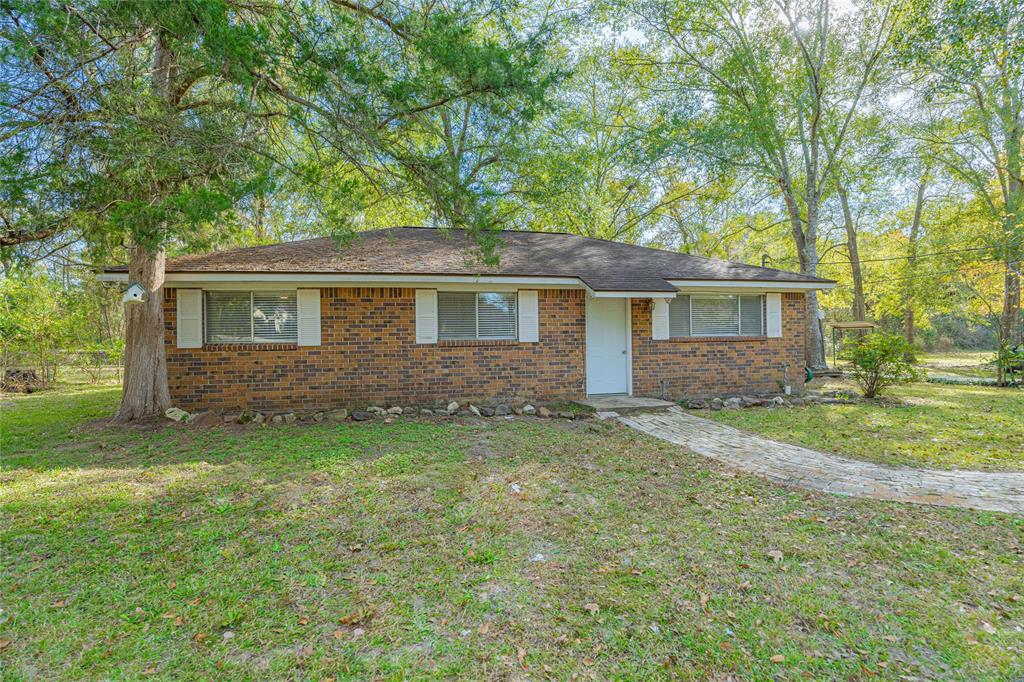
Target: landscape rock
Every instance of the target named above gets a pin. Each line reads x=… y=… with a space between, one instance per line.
x=778 y=400
x=176 y=414
x=543 y=412
x=487 y=412
x=502 y=410
x=230 y=418
x=318 y=417
x=529 y=410
x=289 y=418
x=696 y=405
x=395 y=410
x=338 y=415
x=259 y=418
x=427 y=413
x=374 y=409
x=716 y=404
x=732 y=403
x=361 y=416
x=475 y=410
x=277 y=419
x=453 y=407
x=204 y=420
x=566 y=415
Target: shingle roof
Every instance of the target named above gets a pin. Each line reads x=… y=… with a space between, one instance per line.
x=602 y=265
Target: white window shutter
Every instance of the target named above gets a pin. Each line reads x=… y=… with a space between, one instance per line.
x=529 y=319
x=308 y=305
x=426 y=316
x=659 y=319
x=190 y=318
x=773 y=315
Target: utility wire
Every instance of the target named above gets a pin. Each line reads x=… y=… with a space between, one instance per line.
x=889 y=258
x=922 y=275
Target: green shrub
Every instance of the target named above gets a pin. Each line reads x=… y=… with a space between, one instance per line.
x=879 y=361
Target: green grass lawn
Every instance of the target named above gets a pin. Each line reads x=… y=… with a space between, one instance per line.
x=929 y=425
x=979 y=364
x=479 y=548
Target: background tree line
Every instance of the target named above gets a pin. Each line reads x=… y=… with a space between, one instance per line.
x=877 y=143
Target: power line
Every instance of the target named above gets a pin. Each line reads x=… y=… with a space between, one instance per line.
x=888 y=258
x=924 y=275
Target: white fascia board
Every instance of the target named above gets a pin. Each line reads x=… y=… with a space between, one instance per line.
x=733 y=285
x=633 y=294
x=112 y=277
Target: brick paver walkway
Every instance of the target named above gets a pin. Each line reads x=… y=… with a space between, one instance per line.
x=795 y=465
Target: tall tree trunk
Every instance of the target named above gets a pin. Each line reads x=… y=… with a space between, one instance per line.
x=909 y=288
x=806 y=240
x=144 y=392
x=859 y=309
x=1010 y=331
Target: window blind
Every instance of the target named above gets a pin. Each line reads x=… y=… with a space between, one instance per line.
x=275 y=317
x=456 y=315
x=751 y=315
x=228 y=317
x=679 y=316
x=496 y=315
x=719 y=315
x=476 y=315
x=251 y=317
x=714 y=316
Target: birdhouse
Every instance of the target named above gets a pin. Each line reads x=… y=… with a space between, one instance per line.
x=133 y=294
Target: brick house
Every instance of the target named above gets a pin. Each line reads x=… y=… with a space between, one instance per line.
x=407 y=316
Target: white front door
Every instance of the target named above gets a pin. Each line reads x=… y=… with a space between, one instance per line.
x=607 y=345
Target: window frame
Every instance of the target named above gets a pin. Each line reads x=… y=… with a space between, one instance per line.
x=739 y=316
x=252 y=318
x=513 y=297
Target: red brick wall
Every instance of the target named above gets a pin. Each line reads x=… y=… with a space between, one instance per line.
x=702 y=367
x=369 y=355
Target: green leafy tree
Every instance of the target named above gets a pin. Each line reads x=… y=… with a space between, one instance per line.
x=601 y=163
x=35 y=322
x=781 y=82
x=146 y=125
x=969 y=57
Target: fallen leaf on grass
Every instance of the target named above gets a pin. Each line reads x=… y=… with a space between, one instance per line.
x=592 y=607
x=151 y=670
x=777 y=658
x=775 y=555
x=59 y=604
x=704 y=599
x=484 y=629
x=303 y=621
x=200 y=636
x=4 y=643
x=339 y=634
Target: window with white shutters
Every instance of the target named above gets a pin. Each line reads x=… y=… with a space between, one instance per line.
x=463 y=315
x=251 y=317
x=717 y=315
